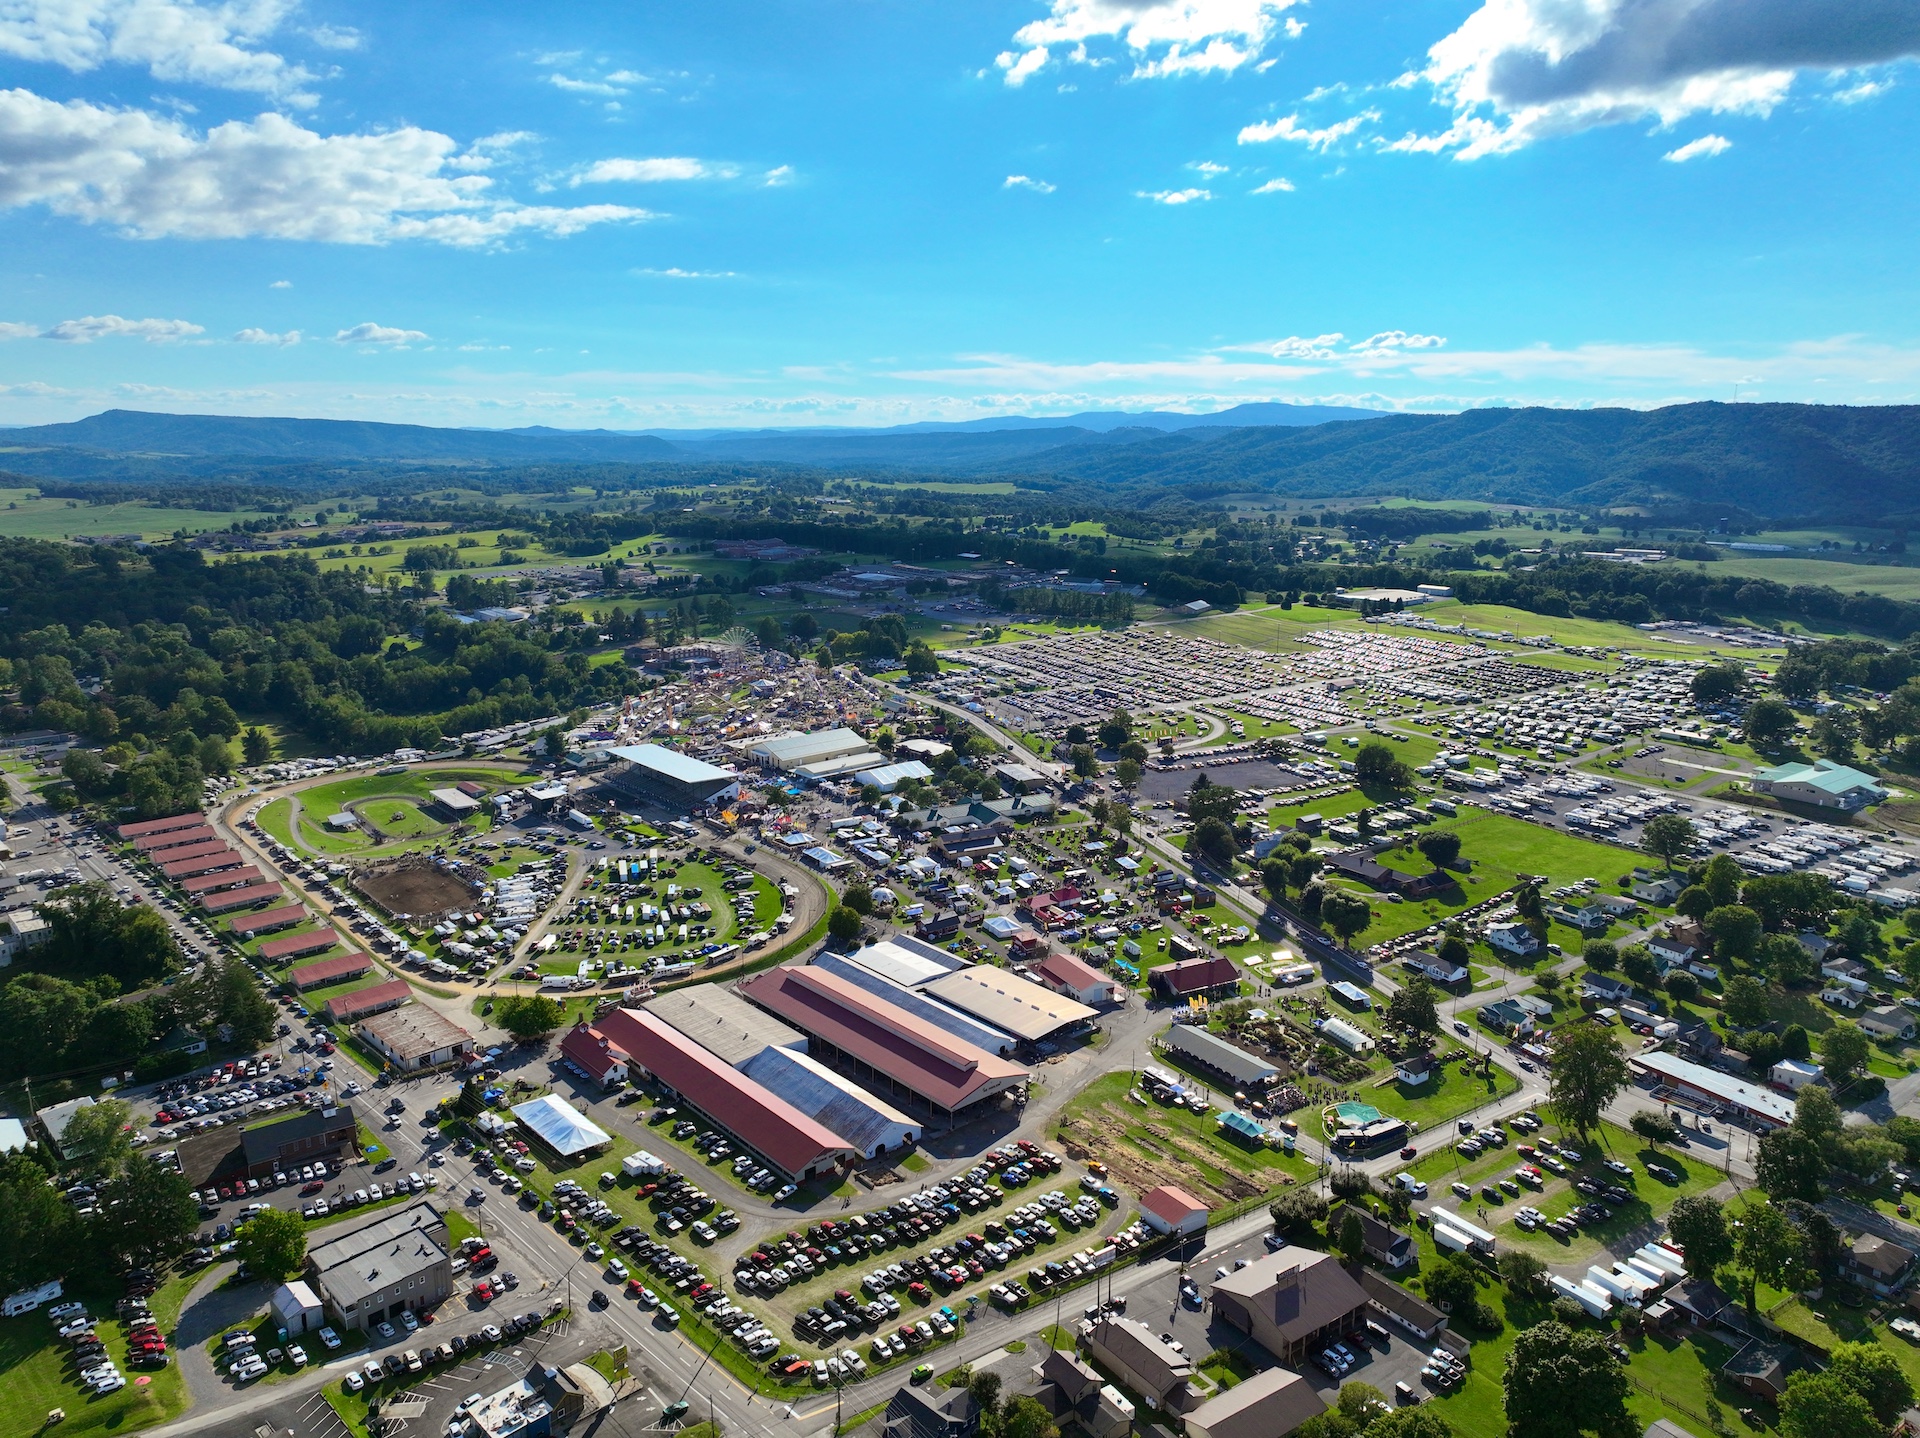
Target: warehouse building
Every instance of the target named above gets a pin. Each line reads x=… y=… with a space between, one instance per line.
x=245 y=896
x=414 y=1037
x=453 y=804
x=140 y=829
x=657 y=775
x=1029 y=1011
x=723 y=1023
x=796 y=751
x=398 y=1262
x=869 y=1126
x=906 y=961
x=945 y=1017
x=284 y=917
x=296 y=945
x=375 y=999
x=779 y=1132
x=882 y=1043
x=1219 y=1059
x=1700 y=1084
x=337 y=970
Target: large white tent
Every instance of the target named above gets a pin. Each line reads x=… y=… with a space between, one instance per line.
x=561 y=1126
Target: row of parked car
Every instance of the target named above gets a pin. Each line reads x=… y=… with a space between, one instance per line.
x=742 y=1326
x=418 y=1360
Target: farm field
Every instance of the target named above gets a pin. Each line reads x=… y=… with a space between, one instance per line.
x=1150 y=1144
x=24 y=517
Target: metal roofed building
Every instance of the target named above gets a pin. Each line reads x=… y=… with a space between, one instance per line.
x=414 y=1037
x=55 y=1117
x=788 y=1138
x=910 y=1054
x=330 y=971
x=660 y=775
x=453 y=803
x=396 y=1262
x=889 y=777
x=907 y=961
x=1216 y=1055
x=560 y=1126
x=1023 y=1008
x=1823 y=782
x=792 y=751
x=374 y=999
x=723 y=1023
x=945 y=1017
x=294 y=945
x=835 y=1103
x=1698 y=1081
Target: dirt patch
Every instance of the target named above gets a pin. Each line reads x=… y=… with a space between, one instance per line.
x=1164 y=1157
x=415 y=890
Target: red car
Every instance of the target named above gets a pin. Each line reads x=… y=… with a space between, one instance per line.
x=918 y=1292
x=1409 y=1151
x=484 y=1290
x=308 y=1190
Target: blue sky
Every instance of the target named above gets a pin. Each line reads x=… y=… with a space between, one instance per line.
x=631 y=215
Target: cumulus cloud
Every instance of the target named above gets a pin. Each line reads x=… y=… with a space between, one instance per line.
x=173 y=40
x=1027 y=182
x=674 y=167
x=1397 y=340
x=1519 y=71
x=676 y=273
x=779 y=175
x=1207 y=167
x=372 y=334
x=1288 y=127
x=1159 y=37
x=96 y=327
x=1300 y=347
x=281 y=285
x=1694 y=149
x=267 y=337
x=1277 y=186
x=152 y=176
x=1174 y=197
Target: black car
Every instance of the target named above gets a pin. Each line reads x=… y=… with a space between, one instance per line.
x=385 y=1164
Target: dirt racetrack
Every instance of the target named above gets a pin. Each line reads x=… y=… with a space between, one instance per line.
x=414 y=890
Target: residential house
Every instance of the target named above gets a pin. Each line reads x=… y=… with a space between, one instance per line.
x=1398 y=1305
x=1697 y=1302
x=1795 y=1074
x=1887 y=1021
x=1383 y=1243
x=1604 y=989
x=1513 y=938
x=1652 y=888
x=1073 y=1393
x=1879 y=1264
x=1762 y=1369
x=1212 y=978
x=931 y=1412
x=1140 y=1360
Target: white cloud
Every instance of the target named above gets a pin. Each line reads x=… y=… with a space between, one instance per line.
x=1693 y=149
x=1207 y=167
x=1519 y=71
x=151 y=176
x=1300 y=347
x=1288 y=127
x=1278 y=186
x=95 y=327
x=266 y=337
x=676 y=167
x=1865 y=90
x=372 y=334
x=1397 y=340
x=334 y=37
x=676 y=273
x=1160 y=37
x=1027 y=182
x=1174 y=197
x=12 y=331
x=173 y=40
x=584 y=87
x=779 y=175
x=281 y=285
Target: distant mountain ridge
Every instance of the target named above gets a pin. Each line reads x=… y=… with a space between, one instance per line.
x=1775 y=460
x=1100 y=421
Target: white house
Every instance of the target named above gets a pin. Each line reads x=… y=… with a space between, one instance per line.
x=1512 y=938
x=1795 y=1074
x=1167 y=1209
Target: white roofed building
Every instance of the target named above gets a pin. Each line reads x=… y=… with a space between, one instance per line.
x=658 y=775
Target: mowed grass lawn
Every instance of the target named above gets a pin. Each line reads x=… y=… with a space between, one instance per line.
x=36 y=1374
x=1652 y=1197
x=1444 y=1097
x=1499 y=849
